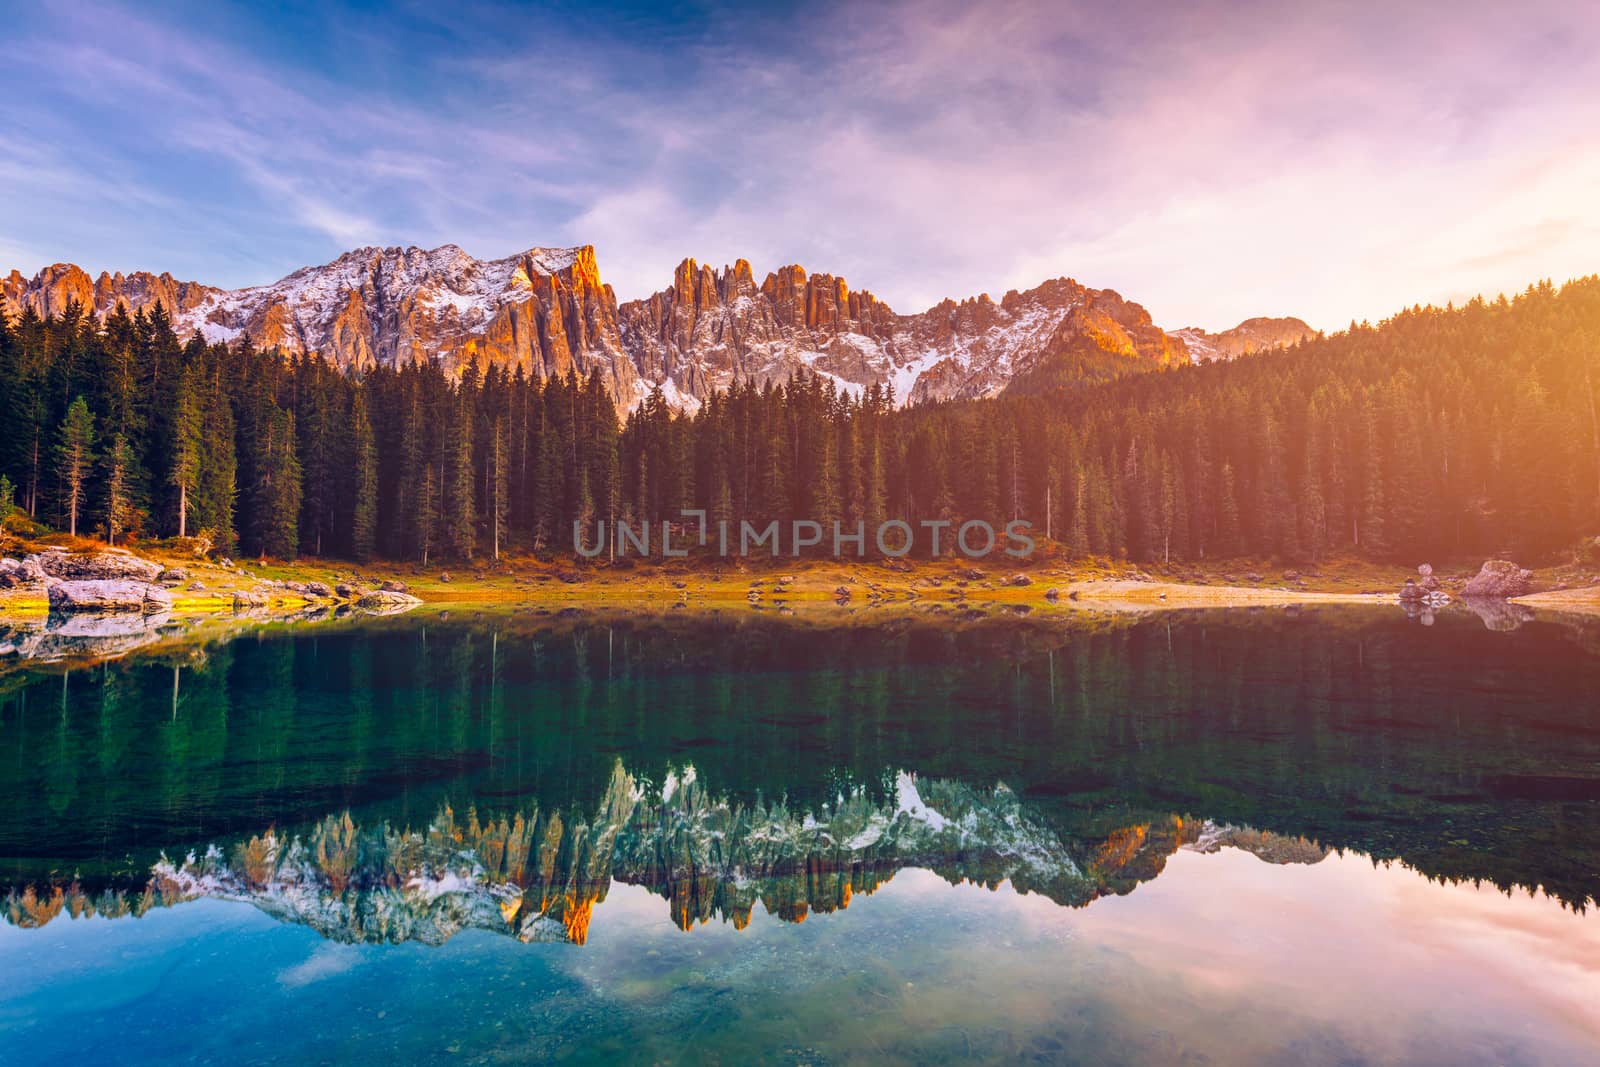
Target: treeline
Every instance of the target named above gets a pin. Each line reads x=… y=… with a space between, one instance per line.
x=1440 y=432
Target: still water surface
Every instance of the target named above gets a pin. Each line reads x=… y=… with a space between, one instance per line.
x=1333 y=836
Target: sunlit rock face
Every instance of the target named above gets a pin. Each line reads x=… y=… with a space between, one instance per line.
x=547 y=312
x=1251 y=335
x=538 y=876
x=544 y=310
x=712 y=329
x=55 y=287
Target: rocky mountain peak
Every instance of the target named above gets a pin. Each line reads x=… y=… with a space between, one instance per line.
x=547 y=311
x=1252 y=335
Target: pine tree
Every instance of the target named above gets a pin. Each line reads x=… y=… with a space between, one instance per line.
x=187 y=427
x=425 y=517
x=277 y=491
x=500 y=455
x=120 y=515
x=1228 y=526
x=216 y=483
x=1369 y=531
x=364 y=514
x=461 y=509
x=74 y=458
x=1078 y=539
x=548 y=489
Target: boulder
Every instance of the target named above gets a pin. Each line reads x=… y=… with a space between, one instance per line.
x=1018 y=579
x=394 y=585
x=173 y=576
x=1052 y=593
x=1426 y=570
x=317 y=589
x=15 y=572
x=107 y=594
x=346 y=591
x=1499 y=578
x=383 y=602
x=245 y=599
x=196 y=587
x=1411 y=590
x=108 y=565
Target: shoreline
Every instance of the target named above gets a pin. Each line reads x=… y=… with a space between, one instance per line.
x=207 y=587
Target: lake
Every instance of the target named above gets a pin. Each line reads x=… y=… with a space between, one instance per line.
x=1334 y=835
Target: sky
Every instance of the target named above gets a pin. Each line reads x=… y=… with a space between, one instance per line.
x=1212 y=161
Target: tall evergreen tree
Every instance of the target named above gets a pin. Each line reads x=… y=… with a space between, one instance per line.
x=364 y=513
x=120 y=515
x=187 y=428
x=75 y=459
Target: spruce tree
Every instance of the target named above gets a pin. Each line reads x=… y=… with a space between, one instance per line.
x=364 y=513
x=120 y=515
x=187 y=428
x=500 y=482
x=75 y=459
x=461 y=509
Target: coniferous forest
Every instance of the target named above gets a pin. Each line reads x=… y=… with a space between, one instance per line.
x=1440 y=432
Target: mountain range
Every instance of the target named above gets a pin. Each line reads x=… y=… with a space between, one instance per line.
x=547 y=311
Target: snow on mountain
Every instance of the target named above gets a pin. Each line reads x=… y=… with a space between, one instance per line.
x=546 y=311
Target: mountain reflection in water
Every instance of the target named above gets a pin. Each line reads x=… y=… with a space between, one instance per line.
x=1332 y=835
x=538 y=876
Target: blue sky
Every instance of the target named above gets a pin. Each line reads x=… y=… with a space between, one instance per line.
x=1210 y=161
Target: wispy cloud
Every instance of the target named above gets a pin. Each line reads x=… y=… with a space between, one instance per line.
x=1210 y=160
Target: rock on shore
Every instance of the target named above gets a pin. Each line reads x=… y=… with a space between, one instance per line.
x=106 y=594
x=384 y=602
x=1499 y=578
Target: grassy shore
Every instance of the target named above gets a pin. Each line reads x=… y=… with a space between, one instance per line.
x=1047 y=581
